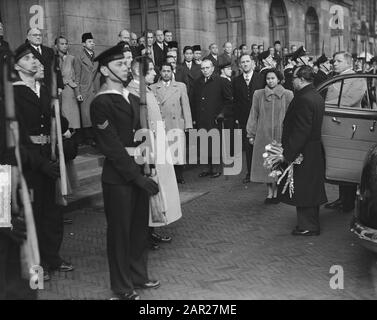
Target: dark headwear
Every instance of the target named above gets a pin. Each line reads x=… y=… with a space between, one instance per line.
x=173 y=44
x=196 y=48
x=277 y=42
x=264 y=55
x=225 y=65
x=322 y=59
x=86 y=36
x=114 y=53
x=187 y=48
x=22 y=51
x=300 y=52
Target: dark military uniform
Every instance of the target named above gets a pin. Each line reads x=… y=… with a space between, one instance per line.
x=115 y=121
x=35 y=114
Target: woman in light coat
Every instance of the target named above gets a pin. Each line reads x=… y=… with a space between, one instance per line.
x=265 y=126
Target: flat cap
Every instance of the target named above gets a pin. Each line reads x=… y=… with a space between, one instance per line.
x=196 y=48
x=264 y=55
x=173 y=44
x=187 y=48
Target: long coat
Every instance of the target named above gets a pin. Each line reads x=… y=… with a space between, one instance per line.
x=265 y=125
x=70 y=107
x=192 y=75
x=302 y=135
x=165 y=171
x=211 y=98
x=175 y=109
x=87 y=79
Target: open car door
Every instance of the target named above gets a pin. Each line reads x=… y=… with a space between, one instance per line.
x=350 y=125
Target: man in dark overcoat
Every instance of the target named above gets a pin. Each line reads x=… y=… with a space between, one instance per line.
x=212 y=101
x=302 y=135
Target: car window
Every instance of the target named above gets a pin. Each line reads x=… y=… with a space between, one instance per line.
x=350 y=93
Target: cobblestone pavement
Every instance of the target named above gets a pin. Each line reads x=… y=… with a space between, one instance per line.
x=228 y=245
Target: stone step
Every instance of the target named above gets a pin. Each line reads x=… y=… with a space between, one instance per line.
x=89 y=176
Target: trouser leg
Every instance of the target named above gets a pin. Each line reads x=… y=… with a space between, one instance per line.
x=308 y=218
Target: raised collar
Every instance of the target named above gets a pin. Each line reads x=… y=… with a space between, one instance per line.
x=278 y=91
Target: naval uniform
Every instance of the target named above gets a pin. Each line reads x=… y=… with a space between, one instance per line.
x=35 y=114
x=115 y=120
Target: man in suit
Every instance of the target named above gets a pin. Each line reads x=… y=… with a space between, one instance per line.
x=302 y=135
x=214 y=57
x=160 y=49
x=87 y=80
x=179 y=74
x=243 y=92
x=191 y=69
x=149 y=50
x=3 y=43
x=126 y=190
x=46 y=55
x=211 y=101
x=175 y=110
x=352 y=94
x=125 y=37
x=168 y=36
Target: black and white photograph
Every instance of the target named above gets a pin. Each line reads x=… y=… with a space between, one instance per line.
x=206 y=151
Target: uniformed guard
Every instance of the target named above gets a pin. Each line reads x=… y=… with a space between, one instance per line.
x=324 y=65
x=115 y=115
x=33 y=107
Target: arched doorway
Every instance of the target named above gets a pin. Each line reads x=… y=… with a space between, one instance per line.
x=312 y=32
x=279 y=23
x=230 y=22
x=162 y=15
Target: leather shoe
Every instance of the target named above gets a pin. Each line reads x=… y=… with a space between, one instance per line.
x=159 y=238
x=181 y=181
x=46 y=276
x=305 y=233
x=127 y=296
x=247 y=179
x=151 y=284
x=334 y=205
x=154 y=246
x=65 y=267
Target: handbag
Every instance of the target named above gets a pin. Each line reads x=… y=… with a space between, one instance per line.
x=157 y=203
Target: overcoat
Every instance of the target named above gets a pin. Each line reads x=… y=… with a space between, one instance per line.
x=302 y=128
x=87 y=79
x=211 y=98
x=175 y=110
x=70 y=107
x=265 y=125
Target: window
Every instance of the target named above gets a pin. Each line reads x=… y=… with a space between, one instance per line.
x=230 y=22
x=312 y=32
x=279 y=23
x=161 y=15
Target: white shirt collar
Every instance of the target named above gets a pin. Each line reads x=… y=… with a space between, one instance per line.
x=250 y=75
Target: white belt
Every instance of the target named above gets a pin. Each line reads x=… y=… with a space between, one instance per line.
x=40 y=139
x=133 y=152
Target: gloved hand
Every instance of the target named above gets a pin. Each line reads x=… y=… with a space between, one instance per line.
x=51 y=169
x=18 y=232
x=147 y=184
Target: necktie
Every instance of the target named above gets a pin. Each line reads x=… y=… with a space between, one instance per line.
x=247 y=80
x=39 y=50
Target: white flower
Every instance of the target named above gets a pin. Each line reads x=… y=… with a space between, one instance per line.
x=265 y=155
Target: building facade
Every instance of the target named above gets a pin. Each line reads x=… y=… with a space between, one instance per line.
x=345 y=25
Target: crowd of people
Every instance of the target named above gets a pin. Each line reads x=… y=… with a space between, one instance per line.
x=141 y=81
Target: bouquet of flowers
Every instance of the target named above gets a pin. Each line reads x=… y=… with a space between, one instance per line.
x=273 y=161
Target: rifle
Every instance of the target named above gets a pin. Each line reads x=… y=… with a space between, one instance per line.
x=56 y=133
x=29 y=249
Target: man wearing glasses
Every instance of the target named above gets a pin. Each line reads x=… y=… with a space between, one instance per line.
x=44 y=54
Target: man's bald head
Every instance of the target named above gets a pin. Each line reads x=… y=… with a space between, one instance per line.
x=124 y=35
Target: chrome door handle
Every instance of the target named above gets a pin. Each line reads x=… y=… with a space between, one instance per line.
x=373 y=127
x=336 y=120
x=354 y=129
